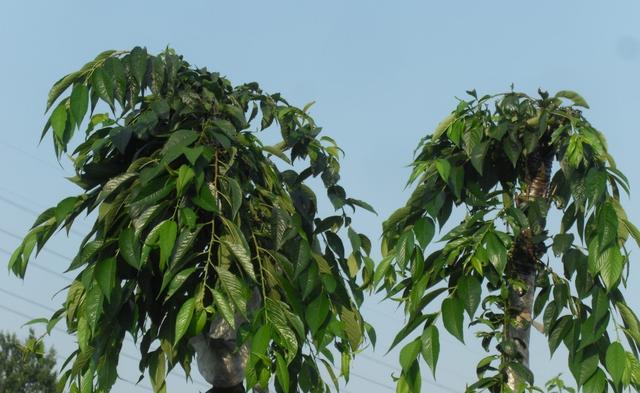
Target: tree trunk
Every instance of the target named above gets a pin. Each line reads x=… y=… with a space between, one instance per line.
x=521 y=303
x=522 y=266
x=220 y=360
x=234 y=389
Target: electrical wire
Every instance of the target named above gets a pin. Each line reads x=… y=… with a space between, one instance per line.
x=33 y=212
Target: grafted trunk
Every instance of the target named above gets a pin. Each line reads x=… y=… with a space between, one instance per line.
x=522 y=266
x=221 y=361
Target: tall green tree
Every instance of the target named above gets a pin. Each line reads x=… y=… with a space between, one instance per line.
x=508 y=160
x=195 y=223
x=25 y=367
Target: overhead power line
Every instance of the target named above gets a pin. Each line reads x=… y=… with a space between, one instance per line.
x=26 y=209
x=52 y=252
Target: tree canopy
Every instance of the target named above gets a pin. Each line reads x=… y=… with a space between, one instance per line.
x=193 y=215
x=507 y=160
x=26 y=367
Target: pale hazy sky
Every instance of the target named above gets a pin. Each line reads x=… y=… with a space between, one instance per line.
x=383 y=74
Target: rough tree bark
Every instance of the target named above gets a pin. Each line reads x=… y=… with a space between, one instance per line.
x=522 y=264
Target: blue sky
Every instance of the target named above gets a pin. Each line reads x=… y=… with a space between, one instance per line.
x=383 y=74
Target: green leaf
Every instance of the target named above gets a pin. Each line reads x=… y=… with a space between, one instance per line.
x=616 y=360
x=282 y=372
x=233 y=287
x=60 y=86
x=512 y=149
x=575 y=151
x=130 y=247
x=185 y=175
x=102 y=85
x=120 y=137
x=382 y=268
x=279 y=225
x=79 y=102
x=237 y=245
x=84 y=334
x=362 y=204
x=354 y=239
x=586 y=368
x=405 y=248
x=167 y=234
x=154 y=195
x=193 y=153
x=235 y=197
x=469 y=291
x=105 y=274
x=431 y=347
x=456 y=180
x=610 y=265
x=631 y=322
x=138 y=64
x=86 y=254
x=558 y=331
x=58 y=122
x=455 y=131
x=178 y=280
x=93 y=305
x=177 y=143
x=114 y=184
x=562 y=243
x=277 y=151
x=260 y=340
x=607 y=225
x=478 y=155
x=595 y=184
x=442 y=127
x=236 y=115
x=114 y=69
x=444 y=168
x=409 y=353
x=337 y=196
x=286 y=337
x=184 y=243
x=452 y=317
x=158 y=371
x=424 y=230
x=573 y=96
x=316 y=313
x=633 y=231
x=352 y=327
x=183 y=318
x=224 y=307
x=206 y=199
x=596 y=384
x=497 y=251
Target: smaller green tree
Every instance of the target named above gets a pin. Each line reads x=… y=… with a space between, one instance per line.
x=508 y=160
x=26 y=367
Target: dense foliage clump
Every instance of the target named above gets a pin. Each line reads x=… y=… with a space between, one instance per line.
x=193 y=218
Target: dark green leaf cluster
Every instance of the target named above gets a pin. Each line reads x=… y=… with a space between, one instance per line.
x=494 y=155
x=193 y=219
